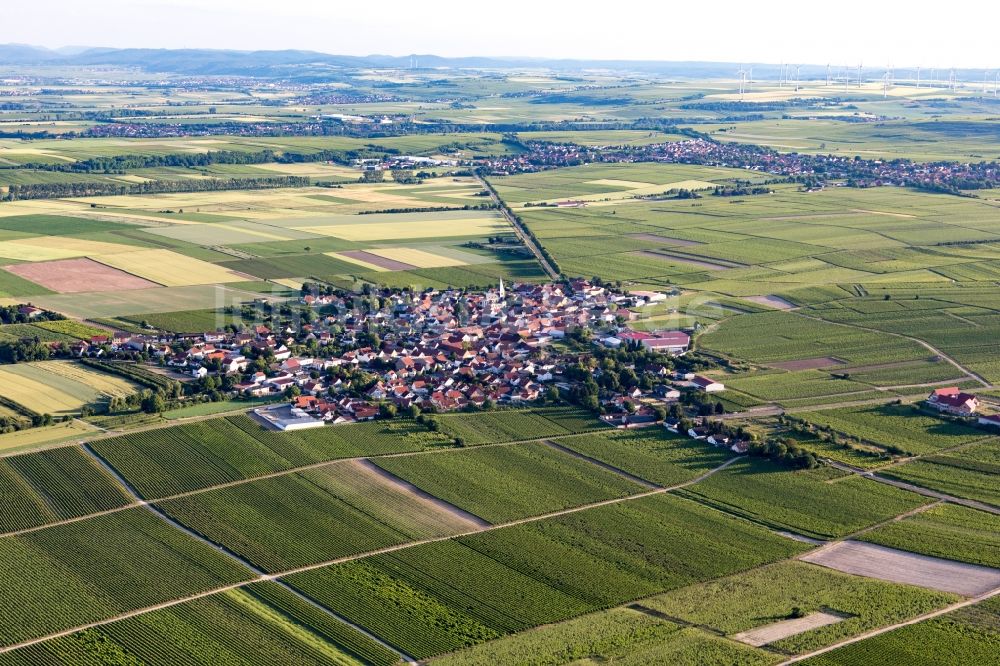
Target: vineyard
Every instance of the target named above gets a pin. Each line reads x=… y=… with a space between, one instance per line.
x=513 y=426
x=949 y=531
x=168 y=461
x=966 y=636
x=274 y=626
x=69 y=575
x=804 y=502
x=451 y=594
x=505 y=483
x=738 y=603
x=300 y=519
x=954 y=474
x=655 y=455
x=45 y=487
x=618 y=635
x=905 y=427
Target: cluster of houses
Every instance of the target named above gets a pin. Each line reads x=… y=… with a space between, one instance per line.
x=442 y=350
x=863 y=172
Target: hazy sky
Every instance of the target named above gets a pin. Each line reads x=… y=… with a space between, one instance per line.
x=879 y=32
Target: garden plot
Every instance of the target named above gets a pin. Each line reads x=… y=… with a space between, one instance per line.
x=873 y=561
x=67 y=276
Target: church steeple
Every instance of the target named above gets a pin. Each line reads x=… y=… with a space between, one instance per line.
x=502 y=296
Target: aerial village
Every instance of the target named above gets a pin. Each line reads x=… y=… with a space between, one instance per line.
x=436 y=350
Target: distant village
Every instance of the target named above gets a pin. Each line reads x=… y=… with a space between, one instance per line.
x=814 y=169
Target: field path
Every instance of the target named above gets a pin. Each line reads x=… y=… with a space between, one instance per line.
x=275 y=577
x=521 y=232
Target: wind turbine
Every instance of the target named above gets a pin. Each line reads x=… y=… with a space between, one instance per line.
x=827 y=75
x=918 y=76
x=859 y=75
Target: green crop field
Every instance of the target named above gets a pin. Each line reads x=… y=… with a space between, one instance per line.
x=970 y=472
x=274 y=627
x=447 y=595
x=337 y=510
x=766 y=595
x=618 y=635
x=69 y=575
x=820 y=503
x=164 y=462
x=966 y=636
x=41 y=488
x=656 y=455
x=500 y=484
x=902 y=426
x=512 y=426
x=949 y=531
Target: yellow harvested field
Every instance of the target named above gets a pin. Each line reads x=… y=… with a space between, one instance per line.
x=251 y=232
x=312 y=169
x=355 y=261
x=417 y=258
x=640 y=189
x=169 y=268
x=478 y=226
x=291 y=283
x=614 y=182
x=45 y=248
x=59 y=387
x=689 y=185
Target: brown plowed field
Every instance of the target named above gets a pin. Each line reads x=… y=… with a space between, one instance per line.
x=70 y=276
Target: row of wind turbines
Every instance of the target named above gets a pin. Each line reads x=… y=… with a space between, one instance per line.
x=843 y=77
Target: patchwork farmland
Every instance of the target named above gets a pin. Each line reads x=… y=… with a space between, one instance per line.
x=337 y=364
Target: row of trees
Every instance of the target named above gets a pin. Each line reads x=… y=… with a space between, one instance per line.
x=91 y=189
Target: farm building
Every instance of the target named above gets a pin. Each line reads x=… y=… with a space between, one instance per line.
x=952 y=401
x=707 y=385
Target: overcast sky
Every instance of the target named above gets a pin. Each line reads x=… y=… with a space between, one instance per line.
x=943 y=34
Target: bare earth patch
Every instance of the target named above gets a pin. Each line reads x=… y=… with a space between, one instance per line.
x=666 y=240
x=807 y=363
x=673 y=258
x=374 y=259
x=458 y=519
x=71 y=276
x=899 y=566
x=785 y=628
x=772 y=301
